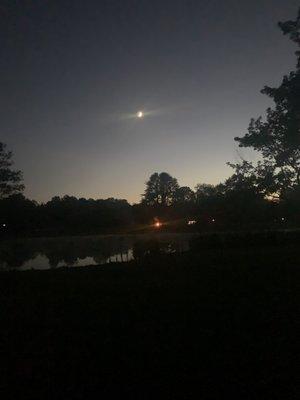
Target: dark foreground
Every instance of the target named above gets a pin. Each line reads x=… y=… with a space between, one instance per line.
x=223 y=325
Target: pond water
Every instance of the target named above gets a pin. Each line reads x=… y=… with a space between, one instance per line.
x=47 y=253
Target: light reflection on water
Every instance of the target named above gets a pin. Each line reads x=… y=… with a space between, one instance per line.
x=48 y=253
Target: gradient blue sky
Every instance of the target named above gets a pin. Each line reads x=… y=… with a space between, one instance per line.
x=72 y=73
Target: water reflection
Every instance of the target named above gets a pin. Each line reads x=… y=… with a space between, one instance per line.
x=46 y=253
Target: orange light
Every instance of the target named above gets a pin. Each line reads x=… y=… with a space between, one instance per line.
x=157 y=224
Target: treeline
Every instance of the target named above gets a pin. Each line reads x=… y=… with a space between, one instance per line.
x=66 y=215
x=214 y=208
x=234 y=204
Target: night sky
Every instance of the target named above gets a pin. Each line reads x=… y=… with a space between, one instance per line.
x=74 y=73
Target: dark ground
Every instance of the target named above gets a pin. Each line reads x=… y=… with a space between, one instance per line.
x=219 y=325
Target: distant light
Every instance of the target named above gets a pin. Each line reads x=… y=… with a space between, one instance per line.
x=282 y=219
x=192 y=222
x=157 y=224
x=213 y=220
x=140 y=114
x=4 y=225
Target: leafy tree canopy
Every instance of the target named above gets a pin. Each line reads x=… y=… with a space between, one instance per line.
x=10 y=180
x=160 y=189
x=184 y=194
x=277 y=137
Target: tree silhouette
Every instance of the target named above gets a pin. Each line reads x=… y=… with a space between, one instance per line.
x=278 y=137
x=292 y=28
x=10 y=180
x=254 y=180
x=184 y=194
x=160 y=189
x=205 y=190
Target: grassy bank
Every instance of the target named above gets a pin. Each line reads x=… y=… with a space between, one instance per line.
x=195 y=325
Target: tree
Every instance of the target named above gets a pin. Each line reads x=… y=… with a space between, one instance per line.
x=205 y=190
x=292 y=28
x=10 y=180
x=247 y=179
x=160 y=189
x=184 y=194
x=277 y=137
x=152 y=192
